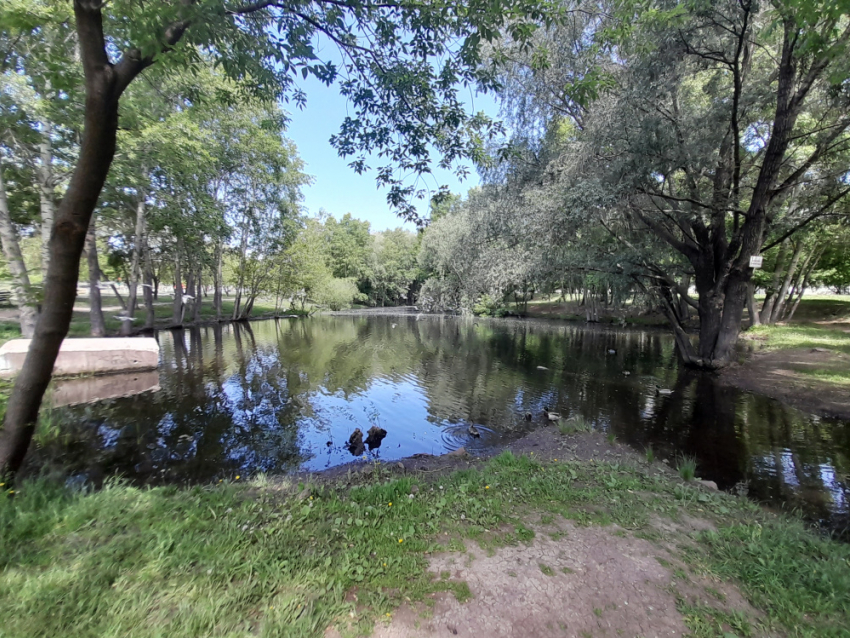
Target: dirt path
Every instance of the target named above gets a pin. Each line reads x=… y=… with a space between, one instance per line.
x=568 y=580
x=782 y=375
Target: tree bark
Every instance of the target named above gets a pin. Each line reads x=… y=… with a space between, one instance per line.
x=177 y=302
x=805 y=282
x=135 y=265
x=755 y=319
x=45 y=193
x=118 y=296
x=150 y=317
x=21 y=289
x=770 y=297
x=684 y=308
x=196 y=307
x=779 y=306
x=98 y=325
x=104 y=83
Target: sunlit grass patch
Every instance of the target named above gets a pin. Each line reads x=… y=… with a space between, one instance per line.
x=830 y=376
x=782 y=337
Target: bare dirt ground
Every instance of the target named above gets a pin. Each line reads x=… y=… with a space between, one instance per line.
x=781 y=374
x=569 y=580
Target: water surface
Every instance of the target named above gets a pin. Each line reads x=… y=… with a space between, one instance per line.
x=282 y=395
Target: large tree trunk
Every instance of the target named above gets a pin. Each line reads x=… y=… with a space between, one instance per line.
x=104 y=84
x=684 y=308
x=770 y=296
x=21 y=291
x=135 y=265
x=45 y=193
x=190 y=290
x=755 y=320
x=196 y=307
x=804 y=283
x=98 y=325
x=783 y=291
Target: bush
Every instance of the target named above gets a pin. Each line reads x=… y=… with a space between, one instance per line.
x=488 y=306
x=337 y=294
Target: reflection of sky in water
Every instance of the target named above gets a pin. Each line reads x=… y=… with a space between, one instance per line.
x=399 y=405
x=269 y=396
x=789 y=469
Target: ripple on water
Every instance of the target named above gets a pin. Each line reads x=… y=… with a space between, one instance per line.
x=456 y=435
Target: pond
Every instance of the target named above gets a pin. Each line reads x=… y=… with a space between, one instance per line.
x=283 y=395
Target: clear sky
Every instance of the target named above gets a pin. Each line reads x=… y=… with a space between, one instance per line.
x=336 y=187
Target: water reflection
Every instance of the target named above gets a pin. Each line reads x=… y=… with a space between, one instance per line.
x=275 y=396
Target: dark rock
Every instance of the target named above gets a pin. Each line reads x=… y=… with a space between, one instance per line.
x=375 y=436
x=355 y=443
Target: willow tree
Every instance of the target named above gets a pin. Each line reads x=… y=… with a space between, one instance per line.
x=403 y=63
x=697 y=133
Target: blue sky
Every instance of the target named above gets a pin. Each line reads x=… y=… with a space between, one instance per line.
x=336 y=187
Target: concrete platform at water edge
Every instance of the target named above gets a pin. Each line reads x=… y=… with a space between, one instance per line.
x=87 y=356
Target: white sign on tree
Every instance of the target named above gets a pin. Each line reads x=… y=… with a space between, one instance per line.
x=756 y=261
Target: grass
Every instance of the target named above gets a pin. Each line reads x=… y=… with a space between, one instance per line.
x=8 y=331
x=800 y=336
x=688 y=468
x=81 y=326
x=650 y=454
x=841 y=377
x=238 y=559
x=574 y=424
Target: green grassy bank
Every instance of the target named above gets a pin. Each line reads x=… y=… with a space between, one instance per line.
x=81 y=325
x=262 y=559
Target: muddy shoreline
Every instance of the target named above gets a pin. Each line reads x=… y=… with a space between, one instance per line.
x=784 y=375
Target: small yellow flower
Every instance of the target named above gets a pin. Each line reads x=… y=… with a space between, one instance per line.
x=390 y=505
x=2 y=484
x=385 y=564
x=388 y=614
x=486 y=487
x=400 y=540
x=237 y=477
x=13 y=491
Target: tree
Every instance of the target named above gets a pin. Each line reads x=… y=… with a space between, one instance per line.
x=394 y=266
x=697 y=134
x=403 y=64
x=303 y=269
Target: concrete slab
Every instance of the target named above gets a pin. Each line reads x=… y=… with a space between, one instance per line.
x=87 y=356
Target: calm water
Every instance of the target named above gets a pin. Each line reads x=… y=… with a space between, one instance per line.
x=282 y=395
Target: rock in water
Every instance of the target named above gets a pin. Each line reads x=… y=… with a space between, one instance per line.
x=355 y=443
x=375 y=436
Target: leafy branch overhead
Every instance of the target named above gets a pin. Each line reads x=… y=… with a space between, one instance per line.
x=403 y=65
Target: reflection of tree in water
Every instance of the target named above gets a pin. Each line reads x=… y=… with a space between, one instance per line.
x=243 y=397
x=207 y=422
